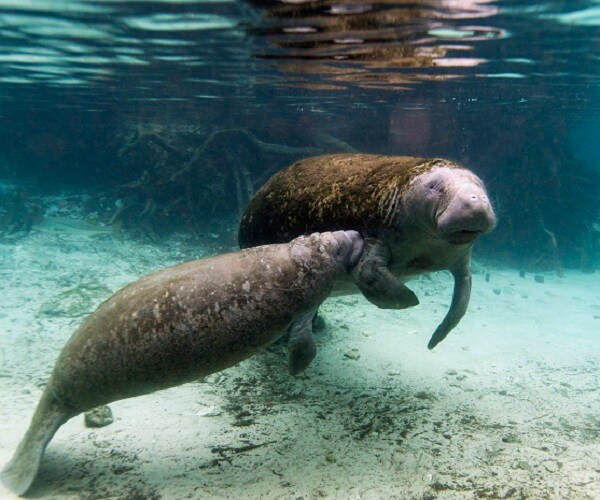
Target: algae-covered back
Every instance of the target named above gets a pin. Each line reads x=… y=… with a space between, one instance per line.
x=330 y=192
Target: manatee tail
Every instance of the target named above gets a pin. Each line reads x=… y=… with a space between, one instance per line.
x=20 y=472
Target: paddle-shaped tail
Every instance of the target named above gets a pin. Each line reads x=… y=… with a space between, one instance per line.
x=20 y=472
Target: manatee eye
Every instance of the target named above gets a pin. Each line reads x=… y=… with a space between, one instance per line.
x=432 y=188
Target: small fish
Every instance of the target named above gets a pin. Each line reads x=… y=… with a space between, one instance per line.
x=66 y=225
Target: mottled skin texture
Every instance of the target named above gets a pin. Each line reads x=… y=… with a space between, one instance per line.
x=182 y=323
x=417 y=215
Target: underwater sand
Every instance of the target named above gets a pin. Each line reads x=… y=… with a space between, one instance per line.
x=507 y=406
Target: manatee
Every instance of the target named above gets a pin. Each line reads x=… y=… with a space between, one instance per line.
x=417 y=215
x=180 y=324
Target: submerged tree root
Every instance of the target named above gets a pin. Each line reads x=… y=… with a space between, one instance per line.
x=196 y=184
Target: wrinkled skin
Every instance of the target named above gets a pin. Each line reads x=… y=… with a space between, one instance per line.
x=182 y=323
x=417 y=216
x=446 y=210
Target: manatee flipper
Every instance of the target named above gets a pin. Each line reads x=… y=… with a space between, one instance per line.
x=318 y=322
x=20 y=472
x=460 y=301
x=377 y=283
x=301 y=344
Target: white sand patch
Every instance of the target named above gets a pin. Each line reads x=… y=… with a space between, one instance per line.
x=506 y=406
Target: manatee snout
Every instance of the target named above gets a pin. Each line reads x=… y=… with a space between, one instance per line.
x=346 y=247
x=468 y=215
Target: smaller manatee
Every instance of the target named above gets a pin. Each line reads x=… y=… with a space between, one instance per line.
x=183 y=323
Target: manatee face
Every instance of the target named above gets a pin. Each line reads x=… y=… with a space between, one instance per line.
x=452 y=204
x=344 y=246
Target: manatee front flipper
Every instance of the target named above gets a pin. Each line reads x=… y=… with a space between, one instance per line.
x=301 y=344
x=318 y=322
x=377 y=283
x=460 y=301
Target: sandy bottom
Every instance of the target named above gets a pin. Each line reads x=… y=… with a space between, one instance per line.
x=506 y=407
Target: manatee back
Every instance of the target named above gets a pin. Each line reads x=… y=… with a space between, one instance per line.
x=185 y=322
x=327 y=193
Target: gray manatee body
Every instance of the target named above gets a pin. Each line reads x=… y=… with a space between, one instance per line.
x=417 y=215
x=182 y=323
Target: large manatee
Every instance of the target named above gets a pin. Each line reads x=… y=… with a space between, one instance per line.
x=181 y=323
x=417 y=215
